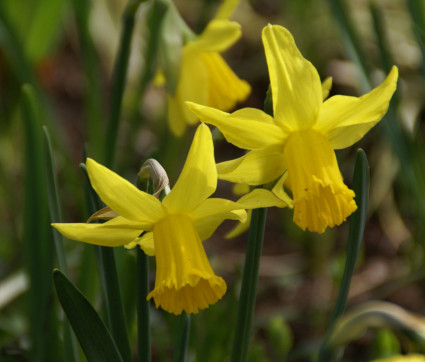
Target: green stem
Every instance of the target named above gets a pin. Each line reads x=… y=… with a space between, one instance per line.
x=355 y=236
x=182 y=339
x=119 y=78
x=248 y=291
x=143 y=320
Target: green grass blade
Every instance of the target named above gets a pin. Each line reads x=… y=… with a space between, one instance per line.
x=241 y=342
x=38 y=245
x=70 y=345
x=109 y=281
x=355 y=237
x=119 y=78
x=94 y=338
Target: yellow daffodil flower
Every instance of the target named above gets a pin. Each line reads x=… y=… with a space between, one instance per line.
x=204 y=75
x=175 y=227
x=298 y=143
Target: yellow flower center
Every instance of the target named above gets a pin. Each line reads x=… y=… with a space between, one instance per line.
x=184 y=280
x=321 y=198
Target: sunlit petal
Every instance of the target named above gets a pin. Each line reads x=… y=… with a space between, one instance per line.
x=226 y=9
x=198 y=179
x=248 y=128
x=240 y=228
x=116 y=232
x=123 y=197
x=295 y=83
x=345 y=120
x=257 y=167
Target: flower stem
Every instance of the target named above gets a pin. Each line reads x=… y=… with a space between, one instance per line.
x=355 y=235
x=182 y=339
x=249 y=286
x=143 y=320
x=119 y=78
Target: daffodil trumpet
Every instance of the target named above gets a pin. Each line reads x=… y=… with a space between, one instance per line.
x=296 y=146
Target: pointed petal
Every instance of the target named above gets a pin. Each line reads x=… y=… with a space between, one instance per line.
x=123 y=197
x=248 y=128
x=145 y=242
x=208 y=225
x=345 y=120
x=198 y=179
x=257 y=167
x=279 y=191
x=225 y=88
x=226 y=9
x=295 y=83
x=326 y=87
x=240 y=228
x=219 y=35
x=213 y=206
x=116 y=232
x=260 y=198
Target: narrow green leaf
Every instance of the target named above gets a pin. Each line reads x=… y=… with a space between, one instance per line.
x=70 y=345
x=94 y=338
x=38 y=245
x=355 y=237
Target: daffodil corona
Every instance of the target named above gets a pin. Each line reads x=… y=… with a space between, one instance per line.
x=298 y=143
x=174 y=227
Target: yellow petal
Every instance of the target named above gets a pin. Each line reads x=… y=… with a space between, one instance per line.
x=145 y=242
x=213 y=207
x=116 y=232
x=247 y=128
x=260 y=198
x=240 y=228
x=257 y=167
x=345 y=120
x=225 y=88
x=326 y=87
x=198 y=179
x=123 y=197
x=279 y=191
x=226 y=9
x=241 y=189
x=321 y=198
x=295 y=83
x=193 y=67
x=208 y=225
x=217 y=37
x=184 y=279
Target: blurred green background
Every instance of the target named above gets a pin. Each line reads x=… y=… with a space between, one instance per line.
x=66 y=50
